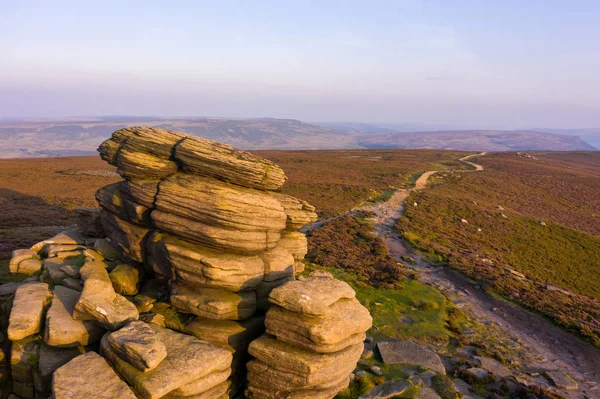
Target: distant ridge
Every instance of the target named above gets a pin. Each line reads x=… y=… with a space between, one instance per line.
x=477 y=140
x=81 y=136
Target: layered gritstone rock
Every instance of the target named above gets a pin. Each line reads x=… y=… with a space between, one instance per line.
x=173 y=276
x=315 y=333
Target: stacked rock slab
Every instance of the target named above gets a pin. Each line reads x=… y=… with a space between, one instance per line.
x=207 y=220
x=315 y=333
x=43 y=327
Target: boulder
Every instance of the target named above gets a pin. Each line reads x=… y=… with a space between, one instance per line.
x=138 y=345
x=312 y=296
x=213 y=303
x=279 y=264
x=61 y=330
x=89 y=376
x=408 y=352
x=128 y=236
x=28 y=310
x=125 y=279
x=202 y=266
x=343 y=326
x=188 y=359
x=19 y=256
x=100 y=302
x=29 y=267
x=493 y=366
x=114 y=198
x=220 y=215
x=221 y=161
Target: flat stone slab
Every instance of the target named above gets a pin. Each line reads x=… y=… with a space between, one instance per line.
x=311 y=295
x=493 y=366
x=341 y=327
x=61 y=329
x=100 y=302
x=562 y=380
x=214 y=303
x=387 y=390
x=299 y=367
x=408 y=352
x=20 y=255
x=188 y=359
x=138 y=345
x=28 y=310
x=89 y=376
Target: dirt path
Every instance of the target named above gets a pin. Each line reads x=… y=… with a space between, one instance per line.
x=554 y=348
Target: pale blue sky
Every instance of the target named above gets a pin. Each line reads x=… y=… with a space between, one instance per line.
x=476 y=63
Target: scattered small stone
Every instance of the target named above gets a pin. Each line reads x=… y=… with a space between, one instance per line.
x=363 y=363
x=360 y=373
x=376 y=370
x=369 y=339
x=367 y=354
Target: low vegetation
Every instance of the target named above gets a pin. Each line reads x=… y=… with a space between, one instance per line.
x=349 y=243
x=528 y=227
x=336 y=181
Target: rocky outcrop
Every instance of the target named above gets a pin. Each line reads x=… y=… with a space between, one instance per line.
x=173 y=276
x=315 y=334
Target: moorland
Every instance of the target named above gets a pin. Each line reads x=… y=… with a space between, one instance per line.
x=530 y=234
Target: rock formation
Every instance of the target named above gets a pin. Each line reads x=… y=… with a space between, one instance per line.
x=315 y=333
x=169 y=282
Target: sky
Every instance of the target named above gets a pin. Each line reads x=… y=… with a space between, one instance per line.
x=460 y=63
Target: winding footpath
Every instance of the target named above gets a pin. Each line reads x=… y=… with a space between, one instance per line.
x=553 y=348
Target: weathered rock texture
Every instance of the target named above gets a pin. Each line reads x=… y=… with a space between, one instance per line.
x=173 y=275
x=315 y=334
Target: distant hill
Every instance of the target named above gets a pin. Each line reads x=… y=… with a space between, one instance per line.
x=477 y=140
x=591 y=135
x=81 y=136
